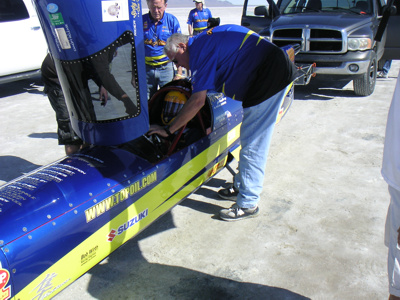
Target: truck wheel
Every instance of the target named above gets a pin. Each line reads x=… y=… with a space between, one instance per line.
x=365 y=85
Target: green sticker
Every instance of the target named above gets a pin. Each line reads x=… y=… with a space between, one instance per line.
x=56 y=19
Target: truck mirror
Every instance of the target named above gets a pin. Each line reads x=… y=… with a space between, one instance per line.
x=261 y=11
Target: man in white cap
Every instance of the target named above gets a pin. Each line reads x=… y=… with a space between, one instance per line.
x=198 y=18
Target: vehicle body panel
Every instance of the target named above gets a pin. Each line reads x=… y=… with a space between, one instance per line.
x=93 y=48
x=392 y=46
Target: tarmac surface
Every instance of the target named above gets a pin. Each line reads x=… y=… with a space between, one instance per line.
x=320 y=230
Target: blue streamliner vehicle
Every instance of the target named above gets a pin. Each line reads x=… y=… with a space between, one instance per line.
x=62 y=219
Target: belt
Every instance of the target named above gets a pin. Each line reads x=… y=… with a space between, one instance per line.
x=157 y=66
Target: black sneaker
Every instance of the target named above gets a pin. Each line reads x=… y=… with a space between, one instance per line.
x=229 y=193
x=236 y=213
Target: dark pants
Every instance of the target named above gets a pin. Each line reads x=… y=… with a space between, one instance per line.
x=66 y=135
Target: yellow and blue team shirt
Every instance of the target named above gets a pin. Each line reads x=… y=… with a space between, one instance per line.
x=199 y=18
x=155 y=37
x=239 y=63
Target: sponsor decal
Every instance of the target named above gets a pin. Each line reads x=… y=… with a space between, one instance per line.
x=135 y=6
x=56 y=19
x=111 y=235
x=63 y=39
x=217 y=166
x=52 y=8
x=119 y=197
x=116 y=10
x=88 y=255
x=124 y=227
x=45 y=288
x=5 y=293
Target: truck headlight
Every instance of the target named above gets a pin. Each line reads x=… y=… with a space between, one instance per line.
x=359 y=44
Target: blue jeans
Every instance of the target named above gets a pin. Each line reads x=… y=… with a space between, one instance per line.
x=255 y=138
x=386 y=66
x=157 y=77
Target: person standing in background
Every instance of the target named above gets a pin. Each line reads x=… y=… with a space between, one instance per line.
x=385 y=69
x=52 y=87
x=391 y=174
x=158 y=26
x=198 y=18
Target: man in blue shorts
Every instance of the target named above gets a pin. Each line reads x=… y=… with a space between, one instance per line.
x=158 y=26
x=198 y=18
x=245 y=67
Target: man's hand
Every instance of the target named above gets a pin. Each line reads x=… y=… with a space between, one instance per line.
x=157 y=129
x=103 y=96
x=177 y=77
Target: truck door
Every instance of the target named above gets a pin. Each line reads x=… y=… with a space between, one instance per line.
x=256 y=14
x=392 y=45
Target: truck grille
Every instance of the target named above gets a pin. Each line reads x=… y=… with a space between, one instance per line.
x=311 y=40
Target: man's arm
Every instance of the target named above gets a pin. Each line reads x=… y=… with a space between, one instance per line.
x=190 y=29
x=189 y=110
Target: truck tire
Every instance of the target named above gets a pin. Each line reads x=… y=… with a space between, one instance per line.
x=365 y=85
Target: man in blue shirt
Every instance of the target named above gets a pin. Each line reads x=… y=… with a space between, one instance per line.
x=245 y=67
x=158 y=26
x=198 y=18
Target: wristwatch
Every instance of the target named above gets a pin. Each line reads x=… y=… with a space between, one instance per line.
x=166 y=128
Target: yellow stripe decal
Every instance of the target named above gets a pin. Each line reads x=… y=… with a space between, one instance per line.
x=127 y=224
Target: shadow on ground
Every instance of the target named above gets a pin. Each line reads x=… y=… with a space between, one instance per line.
x=128 y=275
x=13 y=167
x=320 y=90
x=44 y=135
x=22 y=86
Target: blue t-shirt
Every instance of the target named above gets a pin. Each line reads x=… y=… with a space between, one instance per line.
x=239 y=63
x=199 y=18
x=155 y=37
